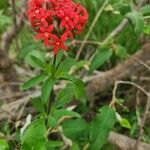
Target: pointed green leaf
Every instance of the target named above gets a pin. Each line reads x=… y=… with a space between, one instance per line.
x=79 y=65
x=38 y=62
x=75 y=146
x=36 y=102
x=100 y=58
x=65 y=76
x=101 y=127
x=52 y=122
x=75 y=128
x=145 y=10
x=36 y=53
x=34 y=137
x=121 y=51
x=33 y=82
x=46 y=89
x=64 y=112
x=50 y=145
x=137 y=21
x=125 y=123
x=64 y=96
x=79 y=89
x=48 y=68
x=122 y=8
x=57 y=114
x=65 y=66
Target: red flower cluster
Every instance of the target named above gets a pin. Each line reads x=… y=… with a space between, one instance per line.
x=56 y=21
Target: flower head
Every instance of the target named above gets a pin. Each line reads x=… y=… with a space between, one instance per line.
x=56 y=21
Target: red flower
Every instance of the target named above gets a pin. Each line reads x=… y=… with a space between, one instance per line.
x=40 y=17
x=56 y=21
x=45 y=34
x=58 y=43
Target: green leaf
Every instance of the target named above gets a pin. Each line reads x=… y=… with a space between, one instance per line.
x=100 y=58
x=35 y=59
x=47 y=88
x=52 y=122
x=36 y=102
x=57 y=114
x=121 y=51
x=101 y=127
x=137 y=21
x=4 y=145
x=75 y=129
x=125 y=123
x=34 y=137
x=54 y=144
x=38 y=62
x=64 y=96
x=147 y=29
x=65 y=76
x=79 y=89
x=122 y=8
x=33 y=82
x=75 y=146
x=145 y=10
x=48 y=68
x=80 y=64
x=65 y=66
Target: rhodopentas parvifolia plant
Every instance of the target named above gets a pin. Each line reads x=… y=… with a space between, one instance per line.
x=56 y=22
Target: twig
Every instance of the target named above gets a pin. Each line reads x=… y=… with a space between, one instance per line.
x=11 y=33
x=91 y=28
x=147 y=107
x=125 y=82
x=15 y=24
x=68 y=143
x=141 y=62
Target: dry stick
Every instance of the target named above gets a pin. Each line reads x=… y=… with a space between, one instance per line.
x=143 y=122
x=125 y=82
x=147 y=107
x=15 y=25
x=141 y=62
x=11 y=33
x=8 y=36
x=126 y=143
x=91 y=28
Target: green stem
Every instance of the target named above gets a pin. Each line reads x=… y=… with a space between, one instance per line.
x=52 y=95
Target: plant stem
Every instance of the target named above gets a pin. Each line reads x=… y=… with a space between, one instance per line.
x=52 y=95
